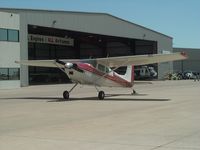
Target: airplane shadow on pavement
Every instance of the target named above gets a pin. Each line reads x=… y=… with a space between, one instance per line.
x=108 y=97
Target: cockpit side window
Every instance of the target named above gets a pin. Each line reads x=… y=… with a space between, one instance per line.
x=101 y=68
x=92 y=62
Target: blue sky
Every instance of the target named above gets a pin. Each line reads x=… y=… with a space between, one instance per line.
x=179 y=19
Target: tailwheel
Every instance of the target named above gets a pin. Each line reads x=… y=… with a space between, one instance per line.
x=66 y=95
x=101 y=95
x=134 y=92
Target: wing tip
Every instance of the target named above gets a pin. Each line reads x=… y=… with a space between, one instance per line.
x=184 y=54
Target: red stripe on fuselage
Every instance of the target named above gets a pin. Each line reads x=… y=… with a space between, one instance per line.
x=115 y=78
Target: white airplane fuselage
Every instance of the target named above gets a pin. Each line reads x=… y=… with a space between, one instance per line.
x=85 y=73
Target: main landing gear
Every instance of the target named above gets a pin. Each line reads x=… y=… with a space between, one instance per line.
x=66 y=95
x=101 y=95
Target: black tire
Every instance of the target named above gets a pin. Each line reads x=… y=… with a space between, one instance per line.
x=66 y=95
x=101 y=95
x=134 y=92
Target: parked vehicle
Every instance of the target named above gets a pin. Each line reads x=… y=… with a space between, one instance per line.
x=190 y=74
x=145 y=72
x=174 y=76
x=185 y=75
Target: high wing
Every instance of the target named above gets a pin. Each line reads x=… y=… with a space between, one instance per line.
x=135 y=60
x=46 y=63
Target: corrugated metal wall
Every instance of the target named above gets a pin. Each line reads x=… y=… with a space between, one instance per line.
x=192 y=63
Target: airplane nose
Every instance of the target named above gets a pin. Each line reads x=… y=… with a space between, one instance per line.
x=69 y=65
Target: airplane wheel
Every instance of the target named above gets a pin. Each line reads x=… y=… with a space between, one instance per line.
x=101 y=95
x=66 y=95
x=134 y=92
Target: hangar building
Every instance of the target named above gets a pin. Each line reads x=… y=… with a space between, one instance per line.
x=45 y=34
x=190 y=64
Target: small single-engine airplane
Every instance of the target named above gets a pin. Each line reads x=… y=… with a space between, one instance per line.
x=98 y=72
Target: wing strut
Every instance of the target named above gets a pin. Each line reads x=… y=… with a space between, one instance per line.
x=60 y=62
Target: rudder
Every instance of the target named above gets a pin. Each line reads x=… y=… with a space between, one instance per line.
x=129 y=75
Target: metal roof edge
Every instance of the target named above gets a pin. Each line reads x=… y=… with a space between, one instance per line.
x=179 y=48
x=139 y=26
x=97 y=13
x=52 y=11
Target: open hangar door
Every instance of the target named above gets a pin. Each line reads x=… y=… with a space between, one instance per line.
x=48 y=43
x=69 y=45
x=76 y=45
x=149 y=71
x=124 y=46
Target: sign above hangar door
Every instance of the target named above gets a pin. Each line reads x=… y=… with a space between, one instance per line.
x=36 y=38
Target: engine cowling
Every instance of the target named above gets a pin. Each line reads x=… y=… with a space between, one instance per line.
x=69 y=65
x=73 y=66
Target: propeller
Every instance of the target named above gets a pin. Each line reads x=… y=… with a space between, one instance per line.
x=70 y=65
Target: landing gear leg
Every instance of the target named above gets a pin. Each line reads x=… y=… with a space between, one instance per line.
x=66 y=93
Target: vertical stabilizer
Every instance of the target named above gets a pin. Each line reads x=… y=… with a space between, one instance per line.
x=129 y=75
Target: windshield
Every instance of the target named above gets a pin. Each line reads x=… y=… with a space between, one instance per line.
x=92 y=62
x=103 y=68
